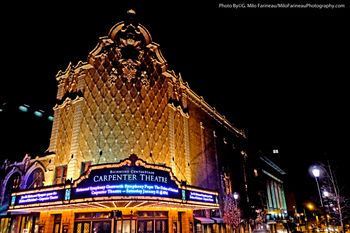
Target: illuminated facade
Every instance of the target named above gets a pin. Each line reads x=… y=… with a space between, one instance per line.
x=132 y=149
x=269 y=194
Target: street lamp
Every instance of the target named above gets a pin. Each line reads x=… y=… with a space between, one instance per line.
x=325 y=193
x=316 y=173
x=235 y=195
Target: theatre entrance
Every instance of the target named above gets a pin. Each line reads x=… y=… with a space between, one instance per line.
x=98 y=222
x=141 y=222
x=152 y=222
x=151 y=226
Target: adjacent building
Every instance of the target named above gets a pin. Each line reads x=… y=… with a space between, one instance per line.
x=267 y=193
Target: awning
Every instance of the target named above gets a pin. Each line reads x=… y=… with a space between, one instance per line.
x=218 y=220
x=204 y=220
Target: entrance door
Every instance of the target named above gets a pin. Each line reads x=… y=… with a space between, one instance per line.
x=145 y=226
x=82 y=227
x=161 y=226
x=101 y=227
x=125 y=226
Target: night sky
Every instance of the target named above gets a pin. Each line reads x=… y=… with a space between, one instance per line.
x=279 y=74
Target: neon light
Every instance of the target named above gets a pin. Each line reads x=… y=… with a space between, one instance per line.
x=13 y=200
x=201 y=197
x=129 y=177
x=67 y=195
x=117 y=180
x=128 y=189
x=38 y=197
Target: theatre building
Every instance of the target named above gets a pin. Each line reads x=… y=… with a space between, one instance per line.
x=132 y=149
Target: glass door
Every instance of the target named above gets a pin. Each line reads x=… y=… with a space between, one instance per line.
x=161 y=226
x=101 y=227
x=125 y=226
x=82 y=227
x=145 y=226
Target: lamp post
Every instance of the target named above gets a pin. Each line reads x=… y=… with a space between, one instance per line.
x=306 y=221
x=316 y=173
x=326 y=195
x=235 y=196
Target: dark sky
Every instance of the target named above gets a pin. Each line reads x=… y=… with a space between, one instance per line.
x=279 y=74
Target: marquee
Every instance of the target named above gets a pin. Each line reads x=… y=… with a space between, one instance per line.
x=129 y=179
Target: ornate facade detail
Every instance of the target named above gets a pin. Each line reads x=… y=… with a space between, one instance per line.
x=124 y=101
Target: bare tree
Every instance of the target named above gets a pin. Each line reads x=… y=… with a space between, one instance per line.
x=335 y=204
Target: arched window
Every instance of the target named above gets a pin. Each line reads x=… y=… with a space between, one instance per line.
x=12 y=183
x=35 y=179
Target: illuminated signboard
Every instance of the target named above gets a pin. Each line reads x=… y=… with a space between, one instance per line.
x=127 y=181
x=200 y=196
x=132 y=178
x=38 y=197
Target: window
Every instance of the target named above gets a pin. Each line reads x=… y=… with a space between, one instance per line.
x=60 y=174
x=16 y=182
x=199 y=228
x=85 y=166
x=97 y=222
x=35 y=179
x=57 y=223
x=12 y=184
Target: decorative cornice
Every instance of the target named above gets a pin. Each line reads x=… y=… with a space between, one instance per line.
x=199 y=100
x=71 y=70
x=272 y=164
x=179 y=109
x=68 y=101
x=272 y=176
x=103 y=42
x=136 y=27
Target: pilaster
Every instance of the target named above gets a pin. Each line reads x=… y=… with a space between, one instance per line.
x=172 y=139
x=73 y=166
x=204 y=156
x=187 y=150
x=54 y=131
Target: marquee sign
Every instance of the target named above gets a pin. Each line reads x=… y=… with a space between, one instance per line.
x=42 y=197
x=127 y=181
x=131 y=178
x=39 y=197
x=200 y=196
